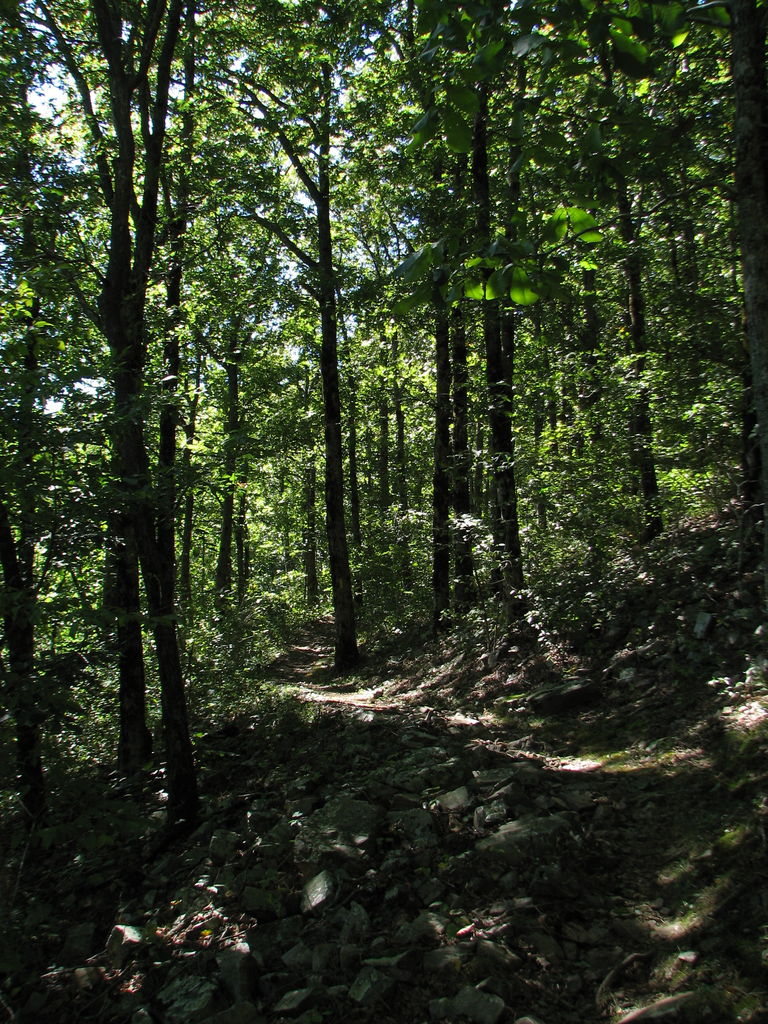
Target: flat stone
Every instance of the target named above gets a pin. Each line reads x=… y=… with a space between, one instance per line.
x=416 y=825
x=427 y=927
x=344 y=815
x=369 y=986
x=123 y=944
x=78 y=943
x=239 y=971
x=522 y=838
x=190 y=999
x=223 y=845
x=480 y=1007
x=441 y=1009
x=456 y=800
x=496 y=957
x=317 y=892
x=444 y=959
x=296 y=1000
x=263 y=903
x=240 y=1013
x=662 y=1009
x=298 y=958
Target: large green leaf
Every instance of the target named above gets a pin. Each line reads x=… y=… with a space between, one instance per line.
x=458 y=134
x=521 y=290
x=415 y=264
x=474 y=288
x=463 y=98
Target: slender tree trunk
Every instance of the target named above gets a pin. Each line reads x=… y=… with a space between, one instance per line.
x=223 y=579
x=748 y=41
x=24 y=704
x=461 y=466
x=441 y=480
x=310 y=531
x=187 y=526
x=385 y=493
x=640 y=427
x=242 y=546
x=134 y=747
x=498 y=386
x=346 y=653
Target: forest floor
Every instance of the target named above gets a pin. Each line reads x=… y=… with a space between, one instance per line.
x=561 y=832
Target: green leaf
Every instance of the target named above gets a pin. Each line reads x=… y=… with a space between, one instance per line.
x=521 y=290
x=415 y=264
x=458 y=134
x=424 y=129
x=629 y=55
x=474 y=288
x=498 y=283
x=583 y=224
x=463 y=98
x=418 y=296
x=556 y=227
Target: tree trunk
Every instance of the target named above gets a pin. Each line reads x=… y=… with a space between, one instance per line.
x=23 y=703
x=346 y=653
x=748 y=40
x=640 y=426
x=223 y=579
x=134 y=746
x=461 y=467
x=311 y=585
x=441 y=479
x=502 y=452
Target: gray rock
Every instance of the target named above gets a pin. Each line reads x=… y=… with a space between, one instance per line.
x=547 y=946
x=489 y=814
x=123 y=944
x=240 y=1013
x=457 y=800
x=317 y=892
x=345 y=816
x=524 y=837
x=702 y=625
x=528 y=1020
x=222 y=846
x=427 y=927
x=78 y=943
x=298 y=958
x=369 y=986
x=296 y=1000
x=417 y=826
x=263 y=903
x=551 y=700
x=477 y=1005
x=496 y=957
x=238 y=969
x=441 y=1009
x=444 y=959
x=353 y=922
x=190 y=999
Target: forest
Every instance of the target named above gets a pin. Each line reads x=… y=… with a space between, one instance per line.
x=373 y=362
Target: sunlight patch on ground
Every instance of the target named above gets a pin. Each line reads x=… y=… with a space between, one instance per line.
x=578 y=764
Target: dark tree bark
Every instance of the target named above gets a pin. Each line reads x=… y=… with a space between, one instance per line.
x=187 y=523
x=311 y=584
x=223 y=578
x=147 y=507
x=346 y=652
x=465 y=591
x=502 y=453
x=748 y=40
x=640 y=425
x=441 y=479
x=24 y=704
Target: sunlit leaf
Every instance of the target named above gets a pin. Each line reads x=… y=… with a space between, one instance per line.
x=521 y=291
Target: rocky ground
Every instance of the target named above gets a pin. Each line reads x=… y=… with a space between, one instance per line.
x=551 y=832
